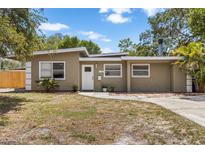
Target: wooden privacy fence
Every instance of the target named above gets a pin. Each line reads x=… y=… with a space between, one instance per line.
x=12 y=79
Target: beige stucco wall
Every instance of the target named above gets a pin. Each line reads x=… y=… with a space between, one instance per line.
x=72 y=66
x=164 y=77
x=119 y=83
x=159 y=80
x=178 y=79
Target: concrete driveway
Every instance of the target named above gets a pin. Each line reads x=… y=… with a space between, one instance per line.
x=190 y=107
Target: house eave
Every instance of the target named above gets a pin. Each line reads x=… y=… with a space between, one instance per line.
x=57 y=51
x=80 y=49
x=130 y=58
x=162 y=58
x=109 y=54
x=99 y=59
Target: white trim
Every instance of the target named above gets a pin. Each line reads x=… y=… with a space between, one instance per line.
x=112 y=70
x=109 y=54
x=164 y=58
x=57 y=79
x=151 y=58
x=28 y=76
x=189 y=83
x=139 y=76
x=87 y=65
x=99 y=59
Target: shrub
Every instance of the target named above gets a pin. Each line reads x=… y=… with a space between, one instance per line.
x=75 y=88
x=48 y=84
x=111 y=89
x=104 y=86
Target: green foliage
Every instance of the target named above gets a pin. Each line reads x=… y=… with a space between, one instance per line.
x=171 y=25
x=200 y=76
x=197 y=22
x=92 y=47
x=194 y=60
x=127 y=45
x=111 y=89
x=177 y=27
x=19 y=32
x=69 y=42
x=8 y=64
x=58 y=41
x=75 y=88
x=48 y=84
x=53 y=41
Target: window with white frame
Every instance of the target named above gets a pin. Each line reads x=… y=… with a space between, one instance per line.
x=112 y=70
x=140 y=70
x=54 y=70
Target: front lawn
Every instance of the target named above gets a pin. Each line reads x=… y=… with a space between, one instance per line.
x=66 y=118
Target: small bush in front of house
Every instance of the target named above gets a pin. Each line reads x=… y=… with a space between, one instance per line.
x=48 y=84
x=75 y=88
x=104 y=88
x=111 y=89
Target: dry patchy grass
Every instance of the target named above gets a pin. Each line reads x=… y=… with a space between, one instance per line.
x=67 y=118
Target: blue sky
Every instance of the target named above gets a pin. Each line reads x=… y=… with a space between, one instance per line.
x=103 y=26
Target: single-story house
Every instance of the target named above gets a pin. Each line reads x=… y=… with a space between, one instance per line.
x=75 y=66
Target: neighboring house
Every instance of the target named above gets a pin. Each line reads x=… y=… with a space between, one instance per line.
x=74 y=66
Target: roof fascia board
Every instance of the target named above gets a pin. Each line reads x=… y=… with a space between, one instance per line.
x=100 y=59
x=151 y=58
x=61 y=51
x=109 y=54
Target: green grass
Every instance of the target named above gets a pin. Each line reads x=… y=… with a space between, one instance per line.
x=68 y=118
x=85 y=136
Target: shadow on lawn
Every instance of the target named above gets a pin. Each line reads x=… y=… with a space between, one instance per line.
x=8 y=104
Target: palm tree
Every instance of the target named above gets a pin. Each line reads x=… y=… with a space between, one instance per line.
x=193 y=62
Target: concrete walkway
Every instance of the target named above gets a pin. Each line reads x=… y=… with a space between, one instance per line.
x=190 y=107
x=5 y=90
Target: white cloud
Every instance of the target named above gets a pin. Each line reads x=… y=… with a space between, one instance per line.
x=95 y=36
x=115 y=10
x=106 y=39
x=92 y=35
x=117 y=18
x=103 y=10
x=121 y=10
x=116 y=15
x=107 y=50
x=151 y=11
x=53 y=26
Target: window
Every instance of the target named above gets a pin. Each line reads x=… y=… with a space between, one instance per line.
x=112 y=70
x=140 y=70
x=46 y=71
x=87 y=69
x=55 y=70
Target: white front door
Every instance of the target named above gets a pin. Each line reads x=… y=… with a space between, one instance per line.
x=87 y=77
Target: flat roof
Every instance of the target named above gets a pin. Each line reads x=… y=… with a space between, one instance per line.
x=43 y=52
x=130 y=58
x=100 y=59
x=109 y=54
x=79 y=49
x=151 y=58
